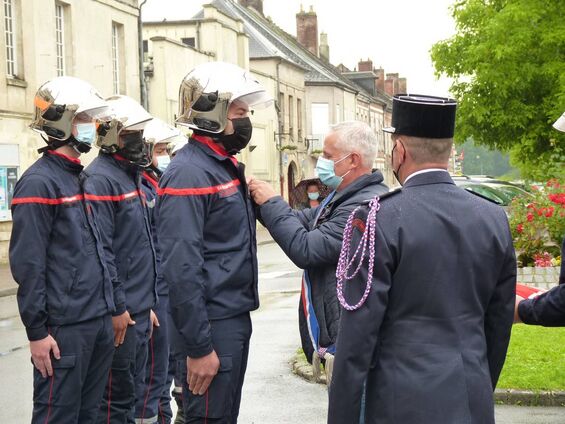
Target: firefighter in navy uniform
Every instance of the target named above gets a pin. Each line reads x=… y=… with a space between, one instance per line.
x=153 y=397
x=114 y=193
x=426 y=331
x=206 y=230
x=547 y=309
x=65 y=291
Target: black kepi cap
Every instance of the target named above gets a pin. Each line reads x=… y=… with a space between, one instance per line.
x=422 y=116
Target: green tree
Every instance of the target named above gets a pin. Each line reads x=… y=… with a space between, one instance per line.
x=507 y=60
x=481 y=160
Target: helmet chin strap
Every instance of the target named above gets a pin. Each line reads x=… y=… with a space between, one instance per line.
x=52 y=145
x=55 y=144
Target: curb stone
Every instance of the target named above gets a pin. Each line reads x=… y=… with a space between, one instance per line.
x=303 y=369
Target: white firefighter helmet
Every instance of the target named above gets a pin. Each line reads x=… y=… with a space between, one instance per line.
x=60 y=101
x=207 y=91
x=559 y=125
x=158 y=131
x=128 y=115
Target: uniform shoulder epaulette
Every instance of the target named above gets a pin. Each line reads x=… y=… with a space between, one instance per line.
x=382 y=196
x=390 y=193
x=483 y=197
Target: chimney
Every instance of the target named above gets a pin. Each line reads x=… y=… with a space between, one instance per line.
x=402 y=86
x=365 y=65
x=380 y=82
x=391 y=87
x=324 y=47
x=255 y=4
x=307 y=29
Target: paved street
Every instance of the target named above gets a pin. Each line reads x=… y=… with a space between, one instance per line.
x=272 y=394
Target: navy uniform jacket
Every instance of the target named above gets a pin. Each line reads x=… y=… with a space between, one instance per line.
x=55 y=251
x=316 y=248
x=431 y=339
x=150 y=187
x=113 y=191
x=206 y=231
x=547 y=309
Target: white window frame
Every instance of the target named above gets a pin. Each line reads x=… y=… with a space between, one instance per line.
x=60 y=38
x=116 y=57
x=10 y=38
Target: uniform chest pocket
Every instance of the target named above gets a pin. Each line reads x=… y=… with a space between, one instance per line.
x=77 y=214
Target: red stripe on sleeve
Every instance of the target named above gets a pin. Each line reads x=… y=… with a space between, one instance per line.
x=47 y=200
x=197 y=191
x=116 y=198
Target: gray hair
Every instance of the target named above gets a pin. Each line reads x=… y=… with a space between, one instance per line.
x=428 y=150
x=356 y=136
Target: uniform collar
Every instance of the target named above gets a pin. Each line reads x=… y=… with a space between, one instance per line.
x=147 y=176
x=428 y=176
x=215 y=147
x=64 y=156
x=122 y=162
x=66 y=161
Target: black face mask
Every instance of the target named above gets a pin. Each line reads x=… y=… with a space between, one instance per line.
x=134 y=148
x=242 y=130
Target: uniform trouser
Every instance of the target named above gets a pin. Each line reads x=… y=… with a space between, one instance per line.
x=177 y=363
x=128 y=371
x=72 y=395
x=220 y=404
x=151 y=395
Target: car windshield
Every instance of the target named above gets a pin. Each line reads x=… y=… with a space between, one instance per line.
x=508 y=190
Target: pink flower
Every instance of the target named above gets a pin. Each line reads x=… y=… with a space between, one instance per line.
x=520 y=228
x=530 y=217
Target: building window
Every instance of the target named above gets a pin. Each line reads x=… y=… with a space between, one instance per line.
x=299 y=117
x=60 y=38
x=281 y=111
x=188 y=41
x=320 y=124
x=118 y=62
x=116 y=57
x=290 y=115
x=146 y=50
x=10 y=36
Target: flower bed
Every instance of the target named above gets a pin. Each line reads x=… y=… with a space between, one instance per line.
x=538 y=226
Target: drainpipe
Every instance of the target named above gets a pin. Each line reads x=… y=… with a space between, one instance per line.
x=142 y=83
x=277 y=106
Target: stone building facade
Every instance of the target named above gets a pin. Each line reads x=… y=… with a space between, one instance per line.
x=43 y=39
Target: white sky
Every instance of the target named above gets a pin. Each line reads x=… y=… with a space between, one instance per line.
x=395 y=34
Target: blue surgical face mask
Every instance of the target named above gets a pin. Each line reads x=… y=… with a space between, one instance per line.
x=325 y=168
x=163 y=162
x=85 y=133
x=313 y=196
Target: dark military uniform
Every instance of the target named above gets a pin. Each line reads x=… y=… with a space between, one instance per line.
x=431 y=339
x=65 y=289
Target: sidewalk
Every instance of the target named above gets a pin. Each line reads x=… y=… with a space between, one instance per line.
x=263 y=236
x=8 y=286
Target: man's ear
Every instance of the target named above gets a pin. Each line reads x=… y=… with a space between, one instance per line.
x=356 y=160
